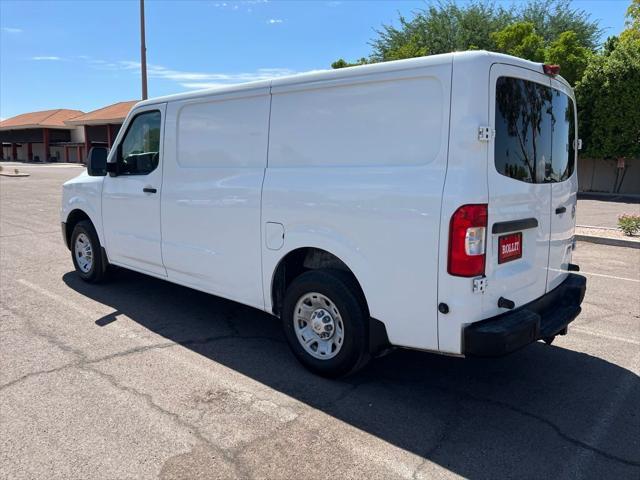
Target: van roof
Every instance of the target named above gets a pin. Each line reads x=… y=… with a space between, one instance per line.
x=482 y=56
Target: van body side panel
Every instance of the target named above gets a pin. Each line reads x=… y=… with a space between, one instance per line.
x=466 y=183
x=216 y=155
x=356 y=168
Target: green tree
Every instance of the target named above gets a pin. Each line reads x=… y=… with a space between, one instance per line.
x=441 y=27
x=633 y=22
x=445 y=26
x=520 y=40
x=567 y=51
x=610 y=45
x=342 y=63
x=607 y=97
x=553 y=17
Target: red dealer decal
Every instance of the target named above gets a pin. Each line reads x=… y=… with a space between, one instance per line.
x=509 y=247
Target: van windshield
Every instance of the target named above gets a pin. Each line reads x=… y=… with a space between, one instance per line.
x=535 y=129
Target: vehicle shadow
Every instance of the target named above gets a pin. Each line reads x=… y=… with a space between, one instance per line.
x=543 y=411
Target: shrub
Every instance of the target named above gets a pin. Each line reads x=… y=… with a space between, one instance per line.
x=629 y=223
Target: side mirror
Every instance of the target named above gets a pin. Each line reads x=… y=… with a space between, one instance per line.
x=112 y=167
x=97 y=162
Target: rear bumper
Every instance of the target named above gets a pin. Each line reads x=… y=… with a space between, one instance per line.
x=547 y=316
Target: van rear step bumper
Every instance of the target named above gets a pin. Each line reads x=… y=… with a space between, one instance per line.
x=545 y=317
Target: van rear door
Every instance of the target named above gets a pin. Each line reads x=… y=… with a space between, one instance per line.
x=519 y=212
x=564 y=183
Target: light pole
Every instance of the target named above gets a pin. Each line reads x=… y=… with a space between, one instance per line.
x=143 y=52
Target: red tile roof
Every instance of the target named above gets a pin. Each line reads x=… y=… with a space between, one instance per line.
x=44 y=119
x=115 y=113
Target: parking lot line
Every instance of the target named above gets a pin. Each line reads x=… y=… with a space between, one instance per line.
x=613 y=277
x=53 y=296
x=604 y=335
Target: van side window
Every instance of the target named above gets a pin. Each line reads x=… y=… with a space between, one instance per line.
x=535 y=130
x=562 y=160
x=523 y=129
x=141 y=145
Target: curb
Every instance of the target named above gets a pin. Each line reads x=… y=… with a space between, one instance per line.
x=13 y=163
x=615 y=242
x=615 y=229
x=613 y=197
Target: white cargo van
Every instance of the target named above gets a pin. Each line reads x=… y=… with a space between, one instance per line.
x=425 y=203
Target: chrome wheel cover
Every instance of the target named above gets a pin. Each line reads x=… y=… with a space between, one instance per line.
x=318 y=326
x=83 y=252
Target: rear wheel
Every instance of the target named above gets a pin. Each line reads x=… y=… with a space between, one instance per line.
x=87 y=253
x=325 y=322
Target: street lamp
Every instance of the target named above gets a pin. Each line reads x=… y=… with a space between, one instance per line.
x=143 y=52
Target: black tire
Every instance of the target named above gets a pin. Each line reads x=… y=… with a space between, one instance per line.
x=342 y=290
x=98 y=270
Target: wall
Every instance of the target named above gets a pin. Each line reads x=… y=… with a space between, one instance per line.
x=599 y=176
x=97 y=133
x=77 y=135
x=37 y=149
x=57 y=153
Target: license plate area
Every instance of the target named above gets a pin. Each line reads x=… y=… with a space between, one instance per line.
x=509 y=247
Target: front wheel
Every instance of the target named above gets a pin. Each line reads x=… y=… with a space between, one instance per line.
x=87 y=253
x=325 y=320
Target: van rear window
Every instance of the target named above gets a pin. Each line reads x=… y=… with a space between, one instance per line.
x=534 y=131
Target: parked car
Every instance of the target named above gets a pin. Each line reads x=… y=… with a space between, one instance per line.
x=425 y=203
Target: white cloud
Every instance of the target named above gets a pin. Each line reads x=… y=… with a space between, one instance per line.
x=236 y=4
x=273 y=21
x=245 y=5
x=203 y=85
x=189 y=79
x=197 y=80
x=47 y=58
x=11 y=30
x=234 y=79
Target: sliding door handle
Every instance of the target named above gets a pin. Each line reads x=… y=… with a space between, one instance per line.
x=560 y=210
x=149 y=190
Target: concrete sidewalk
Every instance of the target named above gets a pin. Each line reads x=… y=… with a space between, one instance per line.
x=597 y=220
x=603 y=212
x=20 y=165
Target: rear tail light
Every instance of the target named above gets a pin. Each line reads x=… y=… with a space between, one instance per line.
x=467 y=239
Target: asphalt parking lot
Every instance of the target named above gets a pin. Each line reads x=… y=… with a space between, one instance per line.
x=139 y=378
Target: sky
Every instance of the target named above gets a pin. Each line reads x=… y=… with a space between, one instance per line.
x=85 y=54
